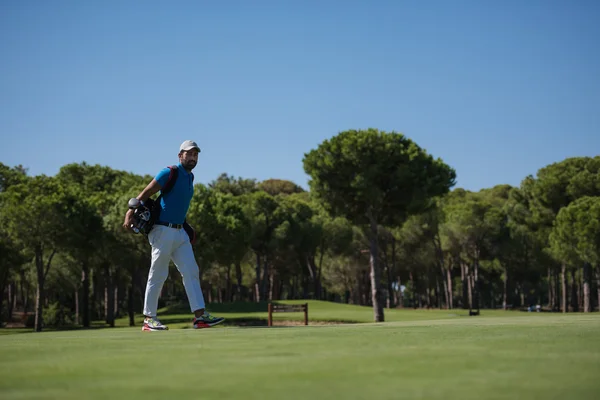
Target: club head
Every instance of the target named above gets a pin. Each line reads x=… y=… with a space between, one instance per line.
x=134 y=203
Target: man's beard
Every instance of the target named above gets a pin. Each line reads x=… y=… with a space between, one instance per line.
x=189 y=165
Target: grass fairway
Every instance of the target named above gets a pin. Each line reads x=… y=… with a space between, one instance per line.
x=523 y=356
x=318 y=312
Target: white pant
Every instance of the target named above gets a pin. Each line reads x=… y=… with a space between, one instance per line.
x=171 y=244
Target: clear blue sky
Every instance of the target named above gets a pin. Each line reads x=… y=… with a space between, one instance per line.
x=497 y=89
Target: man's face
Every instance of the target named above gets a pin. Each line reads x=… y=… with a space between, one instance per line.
x=189 y=158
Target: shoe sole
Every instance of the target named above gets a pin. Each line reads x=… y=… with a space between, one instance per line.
x=204 y=325
x=148 y=329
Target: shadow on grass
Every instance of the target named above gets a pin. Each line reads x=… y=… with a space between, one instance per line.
x=237 y=321
x=14 y=331
x=215 y=308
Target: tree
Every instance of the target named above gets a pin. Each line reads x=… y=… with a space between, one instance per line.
x=372 y=177
x=232 y=185
x=11 y=258
x=298 y=238
x=11 y=252
x=98 y=187
x=279 y=186
x=38 y=216
x=426 y=228
x=265 y=215
x=575 y=240
x=225 y=229
x=556 y=186
x=311 y=234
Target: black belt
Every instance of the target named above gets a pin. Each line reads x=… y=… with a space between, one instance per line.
x=170 y=225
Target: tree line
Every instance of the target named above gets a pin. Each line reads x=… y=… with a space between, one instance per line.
x=380 y=226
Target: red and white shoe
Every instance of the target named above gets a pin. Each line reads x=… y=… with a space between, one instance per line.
x=153 y=324
x=206 y=321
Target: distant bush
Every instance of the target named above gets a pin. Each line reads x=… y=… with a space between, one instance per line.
x=29 y=320
x=57 y=317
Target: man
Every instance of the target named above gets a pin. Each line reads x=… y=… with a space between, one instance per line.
x=170 y=241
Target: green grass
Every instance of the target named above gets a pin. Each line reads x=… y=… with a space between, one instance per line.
x=255 y=314
x=423 y=355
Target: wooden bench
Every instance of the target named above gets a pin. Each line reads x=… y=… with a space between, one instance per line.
x=275 y=308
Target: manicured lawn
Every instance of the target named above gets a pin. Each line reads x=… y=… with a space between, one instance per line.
x=433 y=355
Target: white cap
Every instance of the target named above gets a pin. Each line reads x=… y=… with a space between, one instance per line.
x=188 y=145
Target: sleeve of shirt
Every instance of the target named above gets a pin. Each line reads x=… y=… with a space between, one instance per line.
x=162 y=177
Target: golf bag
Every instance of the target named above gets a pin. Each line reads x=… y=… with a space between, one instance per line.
x=145 y=215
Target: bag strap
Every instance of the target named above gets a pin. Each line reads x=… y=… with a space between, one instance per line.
x=173 y=174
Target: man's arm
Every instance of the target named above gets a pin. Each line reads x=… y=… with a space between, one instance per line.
x=152 y=188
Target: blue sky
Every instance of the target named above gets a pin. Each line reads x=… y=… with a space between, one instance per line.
x=497 y=89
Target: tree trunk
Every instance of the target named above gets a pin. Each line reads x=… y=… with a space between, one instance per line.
x=76 y=294
x=580 y=291
x=563 y=275
x=293 y=287
x=400 y=301
x=413 y=285
x=464 y=279
x=42 y=272
x=131 y=296
x=470 y=288
x=306 y=284
x=318 y=284
x=587 y=303
x=389 y=301
x=428 y=294
x=271 y=286
x=391 y=268
x=3 y=285
x=550 y=290
x=505 y=290
x=466 y=285
x=39 y=306
x=312 y=270
x=445 y=274
x=85 y=296
x=24 y=291
x=280 y=290
x=265 y=278
x=598 y=284
x=96 y=293
x=2 y=289
x=438 y=296
x=12 y=299
x=228 y=292
x=116 y=301
x=556 y=290
x=130 y=310
x=364 y=288
x=2 y=304
x=450 y=290
x=476 y=300
x=521 y=294
x=109 y=297
x=257 y=282
x=238 y=276
x=574 y=300
x=445 y=287
x=375 y=274
x=39 y=267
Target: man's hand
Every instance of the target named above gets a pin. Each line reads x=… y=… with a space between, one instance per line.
x=148 y=191
x=129 y=220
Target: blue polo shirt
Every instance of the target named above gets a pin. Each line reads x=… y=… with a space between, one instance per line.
x=176 y=203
